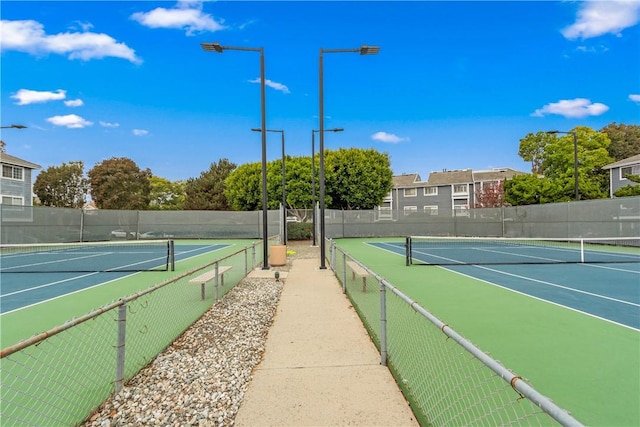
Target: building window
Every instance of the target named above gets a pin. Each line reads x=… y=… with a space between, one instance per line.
x=629 y=170
x=12 y=200
x=431 y=210
x=410 y=209
x=460 y=188
x=431 y=191
x=410 y=192
x=12 y=172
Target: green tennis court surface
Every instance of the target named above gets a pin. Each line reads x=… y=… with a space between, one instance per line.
x=36 y=302
x=587 y=363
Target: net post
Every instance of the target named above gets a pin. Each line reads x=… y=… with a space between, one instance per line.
x=172 y=255
x=582 y=250
x=407 y=251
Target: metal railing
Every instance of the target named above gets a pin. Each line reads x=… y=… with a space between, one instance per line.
x=447 y=379
x=60 y=376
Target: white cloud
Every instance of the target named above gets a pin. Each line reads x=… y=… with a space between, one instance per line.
x=29 y=36
x=592 y=49
x=140 y=132
x=596 y=18
x=274 y=85
x=388 y=138
x=70 y=121
x=74 y=103
x=572 y=108
x=188 y=15
x=109 y=125
x=635 y=97
x=27 y=96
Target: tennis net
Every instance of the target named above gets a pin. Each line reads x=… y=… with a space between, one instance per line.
x=423 y=250
x=125 y=256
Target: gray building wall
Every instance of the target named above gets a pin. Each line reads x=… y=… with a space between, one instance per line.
x=617 y=171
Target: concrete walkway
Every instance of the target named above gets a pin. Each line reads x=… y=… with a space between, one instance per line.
x=320 y=367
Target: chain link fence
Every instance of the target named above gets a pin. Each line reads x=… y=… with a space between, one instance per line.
x=460 y=385
x=60 y=376
x=618 y=217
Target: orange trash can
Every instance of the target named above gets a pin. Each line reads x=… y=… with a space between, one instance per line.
x=278 y=255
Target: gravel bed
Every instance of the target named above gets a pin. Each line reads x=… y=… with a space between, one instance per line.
x=200 y=380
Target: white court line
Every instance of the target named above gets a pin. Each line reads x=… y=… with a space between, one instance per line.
x=543 y=300
x=555 y=285
x=532 y=296
x=67 y=294
x=89 y=287
x=46 y=285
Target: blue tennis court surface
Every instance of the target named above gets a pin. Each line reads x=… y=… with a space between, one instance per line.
x=20 y=290
x=609 y=291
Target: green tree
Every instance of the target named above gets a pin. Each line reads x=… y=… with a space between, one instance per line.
x=554 y=159
x=207 y=192
x=299 y=192
x=243 y=187
x=625 y=140
x=357 y=178
x=529 y=190
x=558 y=164
x=165 y=194
x=532 y=149
x=118 y=183
x=354 y=179
x=62 y=186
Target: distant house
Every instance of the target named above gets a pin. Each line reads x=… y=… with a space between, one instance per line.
x=444 y=192
x=618 y=171
x=16 y=183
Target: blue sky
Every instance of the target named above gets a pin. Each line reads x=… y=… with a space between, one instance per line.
x=455 y=85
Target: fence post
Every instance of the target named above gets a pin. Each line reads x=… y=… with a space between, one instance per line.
x=253 y=255
x=383 y=324
x=120 y=346
x=344 y=273
x=246 y=260
x=332 y=254
x=216 y=281
x=82 y=225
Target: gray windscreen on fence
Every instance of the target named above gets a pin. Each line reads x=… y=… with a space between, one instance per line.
x=619 y=217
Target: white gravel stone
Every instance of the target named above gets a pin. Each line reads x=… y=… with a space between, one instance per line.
x=201 y=378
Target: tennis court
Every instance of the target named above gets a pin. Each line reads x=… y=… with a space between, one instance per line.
x=571 y=329
x=31 y=303
x=606 y=285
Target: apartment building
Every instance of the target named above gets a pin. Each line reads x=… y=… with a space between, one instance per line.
x=443 y=193
x=16 y=182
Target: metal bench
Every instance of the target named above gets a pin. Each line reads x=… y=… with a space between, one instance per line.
x=357 y=270
x=206 y=277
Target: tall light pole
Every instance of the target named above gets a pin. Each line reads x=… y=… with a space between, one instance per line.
x=284 y=192
x=313 y=178
x=364 y=50
x=216 y=47
x=575 y=158
x=13 y=127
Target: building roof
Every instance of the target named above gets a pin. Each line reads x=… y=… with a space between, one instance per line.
x=11 y=160
x=445 y=177
x=496 y=174
x=450 y=177
x=624 y=162
x=405 y=180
